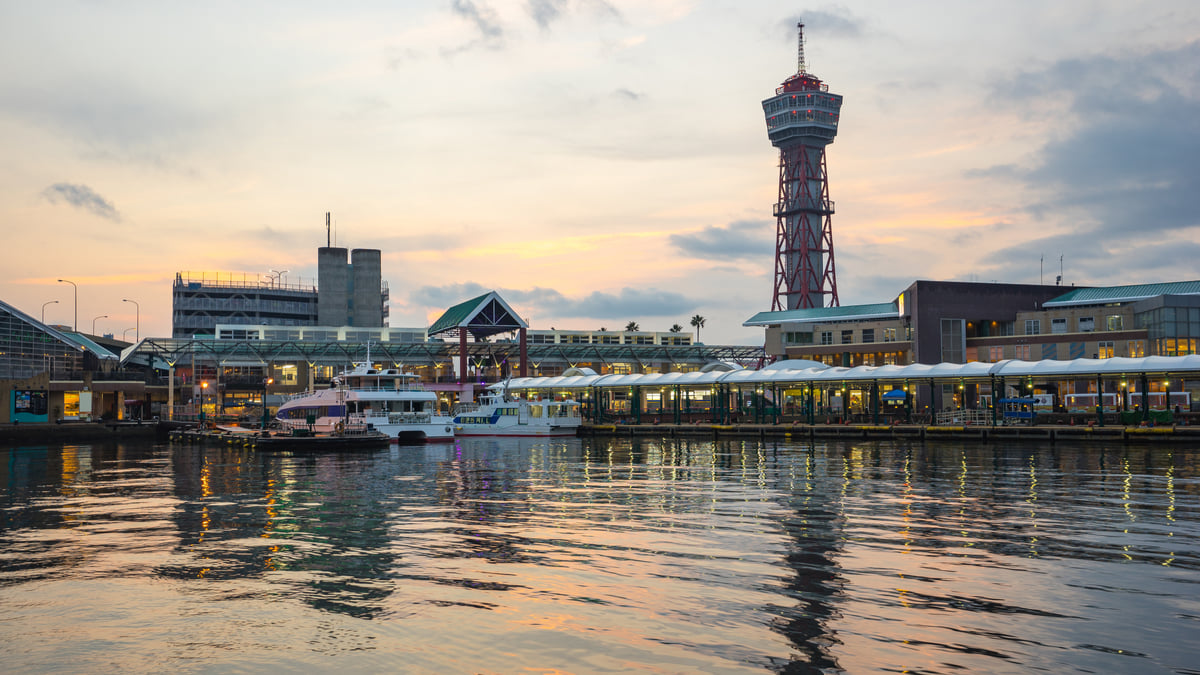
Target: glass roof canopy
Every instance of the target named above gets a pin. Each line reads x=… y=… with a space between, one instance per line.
x=179 y=351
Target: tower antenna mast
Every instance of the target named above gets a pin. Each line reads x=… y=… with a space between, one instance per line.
x=800 y=70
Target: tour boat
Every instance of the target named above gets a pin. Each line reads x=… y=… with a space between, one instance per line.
x=498 y=415
x=383 y=399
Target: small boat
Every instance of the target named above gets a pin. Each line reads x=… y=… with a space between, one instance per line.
x=497 y=414
x=380 y=399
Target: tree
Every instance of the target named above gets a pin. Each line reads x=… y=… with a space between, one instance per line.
x=698 y=323
x=632 y=327
x=676 y=328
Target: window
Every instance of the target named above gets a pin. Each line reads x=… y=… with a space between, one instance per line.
x=1087 y=324
x=1115 y=322
x=1021 y=352
x=798 y=338
x=1058 y=325
x=1137 y=348
x=889 y=334
x=827 y=337
x=847 y=337
x=1104 y=350
x=1033 y=326
x=868 y=335
x=953 y=341
x=995 y=354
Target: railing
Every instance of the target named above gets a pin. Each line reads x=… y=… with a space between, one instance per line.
x=463 y=408
x=410 y=418
x=964 y=417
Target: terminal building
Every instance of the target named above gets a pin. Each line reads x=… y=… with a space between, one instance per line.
x=958 y=322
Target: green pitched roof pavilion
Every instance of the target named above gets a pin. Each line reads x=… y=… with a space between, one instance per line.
x=482 y=317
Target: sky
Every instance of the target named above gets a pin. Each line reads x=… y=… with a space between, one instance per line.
x=595 y=161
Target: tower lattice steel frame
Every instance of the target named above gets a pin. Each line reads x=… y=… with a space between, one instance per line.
x=802 y=119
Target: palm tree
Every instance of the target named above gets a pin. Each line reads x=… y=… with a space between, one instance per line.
x=698 y=323
x=676 y=328
x=632 y=327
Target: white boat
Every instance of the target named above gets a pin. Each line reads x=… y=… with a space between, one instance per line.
x=498 y=415
x=384 y=399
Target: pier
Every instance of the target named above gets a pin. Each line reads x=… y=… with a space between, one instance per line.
x=910 y=432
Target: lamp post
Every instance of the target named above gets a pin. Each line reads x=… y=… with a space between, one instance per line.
x=266 y=381
x=125 y=334
x=102 y=316
x=203 y=395
x=74 y=326
x=52 y=302
x=137 y=319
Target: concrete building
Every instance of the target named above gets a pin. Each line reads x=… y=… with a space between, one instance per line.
x=350 y=293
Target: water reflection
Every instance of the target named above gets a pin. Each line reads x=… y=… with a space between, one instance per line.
x=582 y=555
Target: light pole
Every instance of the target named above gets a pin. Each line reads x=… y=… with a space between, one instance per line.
x=52 y=302
x=137 y=319
x=203 y=395
x=75 y=326
x=125 y=334
x=102 y=316
x=266 y=382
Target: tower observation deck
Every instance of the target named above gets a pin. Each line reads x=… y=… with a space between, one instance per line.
x=802 y=118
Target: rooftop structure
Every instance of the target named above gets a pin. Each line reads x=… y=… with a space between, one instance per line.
x=802 y=118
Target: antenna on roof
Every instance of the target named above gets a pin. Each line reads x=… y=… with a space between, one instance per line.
x=328 y=240
x=800 y=49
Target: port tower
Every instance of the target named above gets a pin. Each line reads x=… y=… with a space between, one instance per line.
x=802 y=118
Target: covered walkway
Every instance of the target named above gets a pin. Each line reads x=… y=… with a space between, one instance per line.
x=798 y=390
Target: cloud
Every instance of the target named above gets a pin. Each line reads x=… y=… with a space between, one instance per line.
x=628 y=94
x=545 y=12
x=835 y=22
x=743 y=239
x=483 y=16
x=626 y=304
x=82 y=197
x=1125 y=169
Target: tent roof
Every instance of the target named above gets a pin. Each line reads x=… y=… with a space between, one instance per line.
x=1150 y=365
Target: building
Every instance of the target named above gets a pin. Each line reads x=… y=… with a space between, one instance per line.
x=802 y=118
x=200 y=301
x=933 y=322
x=346 y=294
x=928 y=322
x=48 y=373
x=350 y=294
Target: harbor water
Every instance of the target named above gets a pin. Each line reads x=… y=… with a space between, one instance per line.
x=601 y=556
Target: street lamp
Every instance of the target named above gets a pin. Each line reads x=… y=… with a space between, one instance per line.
x=75 y=326
x=137 y=318
x=52 y=302
x=103 y=316
x=125 y=334
x=203 y=396
x=266 y=382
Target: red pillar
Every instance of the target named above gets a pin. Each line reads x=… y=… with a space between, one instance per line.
x=524 y=355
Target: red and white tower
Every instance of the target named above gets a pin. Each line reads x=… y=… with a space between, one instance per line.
x=802 y=119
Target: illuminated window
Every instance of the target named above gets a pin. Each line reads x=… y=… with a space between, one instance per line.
x=1137 y=348
x=1104 y=350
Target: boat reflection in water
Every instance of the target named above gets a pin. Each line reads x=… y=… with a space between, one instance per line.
x=508 y=554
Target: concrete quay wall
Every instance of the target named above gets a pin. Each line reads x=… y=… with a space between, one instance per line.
x=1177 y=434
